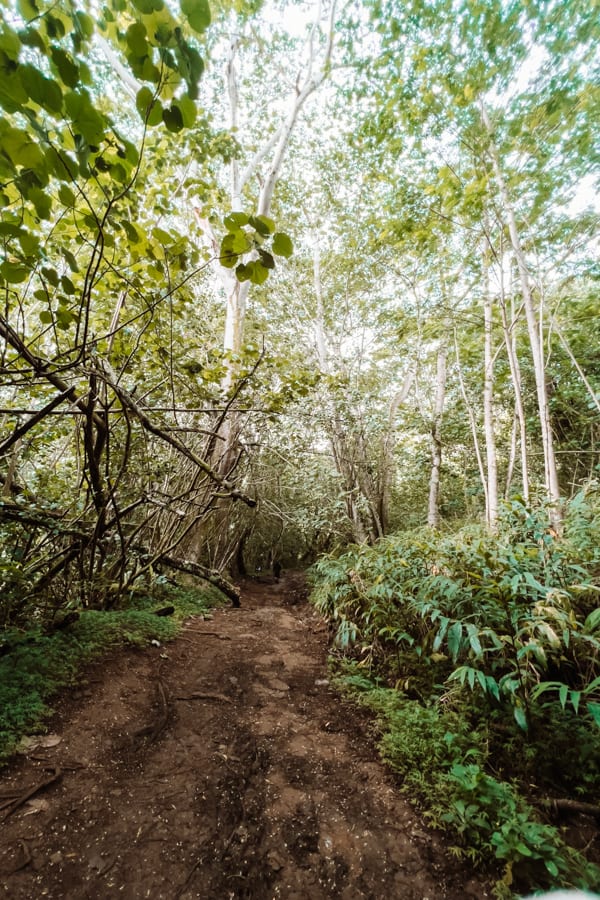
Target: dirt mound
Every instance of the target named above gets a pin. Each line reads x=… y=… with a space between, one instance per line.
x=219 y=766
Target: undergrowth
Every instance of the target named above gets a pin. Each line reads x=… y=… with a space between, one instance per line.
x=480 y=655
x=35 y=665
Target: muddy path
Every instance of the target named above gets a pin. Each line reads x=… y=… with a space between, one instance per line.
x=219 y=766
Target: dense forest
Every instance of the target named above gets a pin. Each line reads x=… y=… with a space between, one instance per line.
x=316 y=285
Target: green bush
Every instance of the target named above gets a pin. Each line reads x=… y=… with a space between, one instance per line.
x=492 y=645
x=442 y=763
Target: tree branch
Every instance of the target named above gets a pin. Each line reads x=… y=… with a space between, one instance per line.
x=127 y=400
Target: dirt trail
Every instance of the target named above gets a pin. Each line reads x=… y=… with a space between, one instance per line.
x=219 y=766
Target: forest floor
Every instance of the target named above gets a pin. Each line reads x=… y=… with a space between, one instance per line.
x=221 y=765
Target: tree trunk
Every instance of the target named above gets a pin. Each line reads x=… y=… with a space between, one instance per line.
x=237 y=294
x=337 y=438
x=509 y=330
x=472 y=423
x=533 y=327
x=387 y=450
x=266 y=166
x=488 y=399
x=433 y=510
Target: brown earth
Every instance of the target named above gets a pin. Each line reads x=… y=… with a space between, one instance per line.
x=221 y=765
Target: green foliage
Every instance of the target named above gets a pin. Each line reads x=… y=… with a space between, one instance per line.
x=492 y=643
x=250 y=235
x=441 y=760
x=34 y=665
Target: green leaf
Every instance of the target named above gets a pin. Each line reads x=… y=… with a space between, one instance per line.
x=71 y=261
x=147 y=7
x=235 y=242
x=66 y=196
x=149 y=107
x=282 y=245
x=444 y=621
x=163 y=237
x=13 y=272
x=197 y=13
x=10 y=42
x=242 y=272
x=594 y=711
x=520 y=718
x=173 y=119
x=233 y=221
x=454 y=639
x=30 y=37
x=227 y=255
x=67 y=69
x=9 y=229
x=534 y=583
x=12 y=92
x=61 y=164
x=474 y=639
x=42 y=202
x=67 y=285
x=134 y=234
x=593 y=621
x=593 y=686
x=64 y=318
x=85 y=120
x=51 y=275
x=258 y=273
x=187 y=108
x=137 y=40
x=30 y=243
x=492 y=687
x=563 y=692
x=266 y=259
x=143 y=99
x=86 y=24
x=263 y=224
x=45 y=317
x=28 y=9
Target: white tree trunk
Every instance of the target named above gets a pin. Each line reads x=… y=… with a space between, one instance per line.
x=433 y=509
x=266 y=165
x=533 y=326
x=343 y=457
x=509 y=330
x=488 y=400
x=307 y=83
x=472 y=423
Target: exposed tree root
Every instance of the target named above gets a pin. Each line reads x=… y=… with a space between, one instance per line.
x=205 y=696
x=26 y=858
x=32 y=791
x=566 y=805
x=217 y=634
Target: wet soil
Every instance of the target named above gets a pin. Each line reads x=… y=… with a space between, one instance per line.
x=221 y=765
